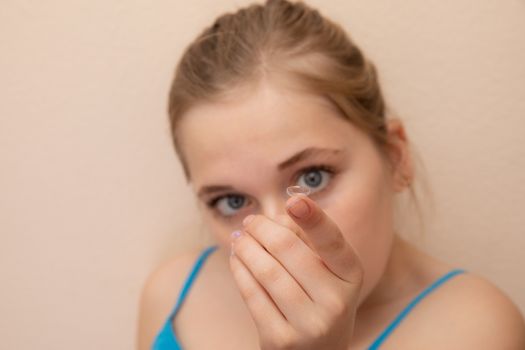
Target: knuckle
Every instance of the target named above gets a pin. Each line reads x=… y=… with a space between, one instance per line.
x=318 y=328
x=248 y=293
x=334 y=245
x=336 y=305
x=284 y=340
x=282 y=243
x=269 y=274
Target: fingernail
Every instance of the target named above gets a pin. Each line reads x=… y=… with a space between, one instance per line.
x=248 y=219
x=298 y=207
x=236 y=234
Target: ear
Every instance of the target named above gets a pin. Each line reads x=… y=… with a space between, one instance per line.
x=402 y=171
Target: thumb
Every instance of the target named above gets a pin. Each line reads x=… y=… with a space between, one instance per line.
x=325 y=238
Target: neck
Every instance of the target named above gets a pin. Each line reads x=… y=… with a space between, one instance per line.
x=399 y=279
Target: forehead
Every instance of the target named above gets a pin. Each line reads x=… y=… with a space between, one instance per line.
x=258 y=130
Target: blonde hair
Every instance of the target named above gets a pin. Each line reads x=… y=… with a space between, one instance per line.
x=284 y=40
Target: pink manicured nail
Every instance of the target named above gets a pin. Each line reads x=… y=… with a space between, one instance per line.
x=236 y=234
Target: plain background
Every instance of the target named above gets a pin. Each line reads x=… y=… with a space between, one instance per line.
x=92 y=197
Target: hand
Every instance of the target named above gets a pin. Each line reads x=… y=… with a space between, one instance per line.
x=301 y=292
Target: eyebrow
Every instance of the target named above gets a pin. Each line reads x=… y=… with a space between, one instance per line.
x=297 y=157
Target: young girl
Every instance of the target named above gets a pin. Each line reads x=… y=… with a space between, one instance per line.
x=274 y=96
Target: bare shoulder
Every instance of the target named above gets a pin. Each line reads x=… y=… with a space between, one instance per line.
x=470 y=312
x=159 y=295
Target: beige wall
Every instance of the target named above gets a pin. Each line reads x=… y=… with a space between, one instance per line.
x=92 y=196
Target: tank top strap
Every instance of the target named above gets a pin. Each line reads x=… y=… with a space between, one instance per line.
x=388 y=330
x=191 y=277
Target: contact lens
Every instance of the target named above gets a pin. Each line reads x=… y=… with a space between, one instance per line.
x=293 y=190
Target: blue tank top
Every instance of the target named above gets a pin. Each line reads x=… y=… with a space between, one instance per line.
x=167 y=340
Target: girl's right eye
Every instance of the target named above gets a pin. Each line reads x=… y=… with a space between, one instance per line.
x=227 y=205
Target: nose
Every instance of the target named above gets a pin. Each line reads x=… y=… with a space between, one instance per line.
x=274 y=207
x=273 y=204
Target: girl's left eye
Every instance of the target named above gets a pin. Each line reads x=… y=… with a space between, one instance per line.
x=313 y=179
x=228 y=205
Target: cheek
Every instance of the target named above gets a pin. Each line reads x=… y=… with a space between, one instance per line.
x=364 y=215
x=218 y=230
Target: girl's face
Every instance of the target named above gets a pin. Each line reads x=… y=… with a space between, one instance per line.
x=242 y=156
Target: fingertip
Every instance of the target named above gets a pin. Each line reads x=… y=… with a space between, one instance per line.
x=290 y=201
x=248 y=219
x=298 y=207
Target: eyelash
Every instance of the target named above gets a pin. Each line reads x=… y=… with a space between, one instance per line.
x=331 y=170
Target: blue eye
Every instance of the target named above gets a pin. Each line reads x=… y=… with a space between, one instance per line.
x=228 y=205
x=314 y=177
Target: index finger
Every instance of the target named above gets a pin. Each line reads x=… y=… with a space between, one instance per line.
x=326 y=238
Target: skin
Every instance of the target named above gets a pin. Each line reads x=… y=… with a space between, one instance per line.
x=361 y=187
x=333 y=279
